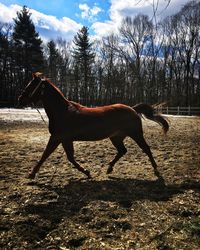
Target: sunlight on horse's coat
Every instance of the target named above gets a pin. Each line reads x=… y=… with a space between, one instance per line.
x=70 y=121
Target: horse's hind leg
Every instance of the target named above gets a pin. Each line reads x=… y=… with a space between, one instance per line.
x=117 y=141
x=139 y=139
x=51 y=146
x=69 y=149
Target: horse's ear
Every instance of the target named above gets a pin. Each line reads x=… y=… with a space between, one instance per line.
x=37 y=74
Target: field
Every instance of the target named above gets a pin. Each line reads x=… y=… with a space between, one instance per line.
x=129 y=209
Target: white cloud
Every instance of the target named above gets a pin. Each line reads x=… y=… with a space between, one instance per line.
x=89 y=13
x=120 y=9
x=85 y=10
x=104 y=29
x=49 y=27
x=95 y=10
x=8 y=13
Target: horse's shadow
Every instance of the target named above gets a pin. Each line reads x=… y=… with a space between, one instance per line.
x=77 y=198
x=77 y=194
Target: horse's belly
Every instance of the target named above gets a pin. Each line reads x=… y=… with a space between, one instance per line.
x=90 y=137
x=94 y=135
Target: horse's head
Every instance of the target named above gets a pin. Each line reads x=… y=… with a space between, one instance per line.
x=32 y=92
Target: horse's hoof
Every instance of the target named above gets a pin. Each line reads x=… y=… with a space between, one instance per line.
x=109 y=170
x=87 y=172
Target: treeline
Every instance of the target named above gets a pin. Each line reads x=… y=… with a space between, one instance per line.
x=144 y=62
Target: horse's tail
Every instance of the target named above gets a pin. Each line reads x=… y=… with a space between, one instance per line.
x=148 y=112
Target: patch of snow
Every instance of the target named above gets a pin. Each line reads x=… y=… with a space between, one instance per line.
x=27 y=114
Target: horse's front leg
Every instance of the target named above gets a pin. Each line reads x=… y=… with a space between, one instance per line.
x=51 y=146
x=69 y=149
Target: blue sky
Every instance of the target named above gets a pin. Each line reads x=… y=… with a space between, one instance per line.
x=61 y=8
x=63 y=18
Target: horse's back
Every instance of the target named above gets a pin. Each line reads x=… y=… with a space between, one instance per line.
x=113 y=109
x=118 y=116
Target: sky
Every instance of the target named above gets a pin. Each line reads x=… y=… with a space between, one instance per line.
x=63 y=18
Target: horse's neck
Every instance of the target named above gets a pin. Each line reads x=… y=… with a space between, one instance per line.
x=54 y=102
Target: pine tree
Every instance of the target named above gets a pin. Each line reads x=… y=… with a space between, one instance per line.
x=52 y=60
x=84 y=58
x=4 y=62
x=27 y=44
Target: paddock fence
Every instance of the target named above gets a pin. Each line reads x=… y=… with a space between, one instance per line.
x=179 y=110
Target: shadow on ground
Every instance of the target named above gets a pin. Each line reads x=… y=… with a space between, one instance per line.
x=77 y=194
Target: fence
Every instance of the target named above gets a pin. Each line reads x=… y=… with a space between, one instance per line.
x=179 y=110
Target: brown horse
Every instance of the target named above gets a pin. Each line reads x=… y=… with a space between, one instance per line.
x=70 y=121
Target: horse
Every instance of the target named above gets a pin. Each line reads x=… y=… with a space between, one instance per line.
x=70 y=121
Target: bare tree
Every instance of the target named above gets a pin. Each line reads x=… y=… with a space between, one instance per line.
x=135 y=32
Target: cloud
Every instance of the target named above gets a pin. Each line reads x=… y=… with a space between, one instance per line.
x=85 y=10
x=89 y=13
x=49 y=27
x=102 y=29
x=121 y=9
x=52 y=27
x=8 y=13
x=163 y=8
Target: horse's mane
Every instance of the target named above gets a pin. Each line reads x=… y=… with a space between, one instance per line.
x=77 y=105
x=55 y=87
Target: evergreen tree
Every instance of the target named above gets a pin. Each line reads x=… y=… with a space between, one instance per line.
x=84 y=58
x=27 y=44
x=57 y=64
x=52 y=60
x=4 y=62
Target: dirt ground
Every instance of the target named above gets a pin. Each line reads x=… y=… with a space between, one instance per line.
x=129 y=209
